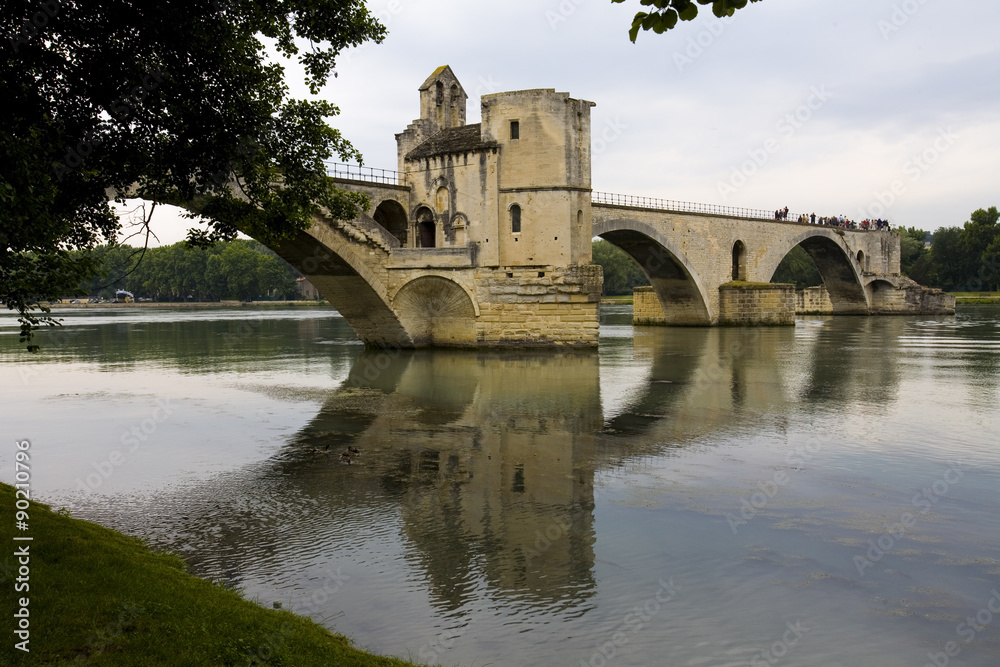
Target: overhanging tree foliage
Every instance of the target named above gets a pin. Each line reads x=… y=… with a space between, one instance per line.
x=173 y=101
x=665 y=13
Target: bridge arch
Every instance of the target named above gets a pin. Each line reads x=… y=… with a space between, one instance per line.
x=437 y=311
x=681 y=292
x=838 y=266
x=349 y=278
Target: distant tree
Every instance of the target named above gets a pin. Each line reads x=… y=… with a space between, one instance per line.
x=912 y=249
x=172 y=101
x=621 y=272
x=666 y=13
x=980 y=235
x=951 y=260
x=799 y=268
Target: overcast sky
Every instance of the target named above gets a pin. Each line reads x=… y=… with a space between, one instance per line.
x=886 y=108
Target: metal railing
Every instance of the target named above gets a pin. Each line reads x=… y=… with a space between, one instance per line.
x=354 y=172
x=653 y=203
x=686 y=206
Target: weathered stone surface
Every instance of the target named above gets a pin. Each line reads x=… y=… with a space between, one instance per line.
x=754 y=304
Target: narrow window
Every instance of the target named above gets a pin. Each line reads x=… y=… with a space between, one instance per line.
x=515 y=130
x=515 y=219
x=739 y=261
x=518 y=485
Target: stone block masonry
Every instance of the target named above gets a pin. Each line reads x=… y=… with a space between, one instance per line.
x=743 y=304
x=541 y=306
x=646 y=310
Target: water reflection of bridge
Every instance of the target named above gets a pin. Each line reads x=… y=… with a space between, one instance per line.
x=490 y=459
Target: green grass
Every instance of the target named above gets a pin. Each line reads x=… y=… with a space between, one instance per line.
x=98 y=597
x=622 y=299
x=976 y=297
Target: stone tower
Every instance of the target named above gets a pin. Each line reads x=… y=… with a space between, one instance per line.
x=516 y=185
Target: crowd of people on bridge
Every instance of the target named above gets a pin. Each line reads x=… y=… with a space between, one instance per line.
x=836 y=221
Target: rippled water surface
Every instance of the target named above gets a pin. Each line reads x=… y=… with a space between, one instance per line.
x=826 y=494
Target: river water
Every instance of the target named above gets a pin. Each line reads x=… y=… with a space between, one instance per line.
x=826 y=494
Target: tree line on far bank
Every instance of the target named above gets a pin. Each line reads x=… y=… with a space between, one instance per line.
x=239 y=269
x=958 y=259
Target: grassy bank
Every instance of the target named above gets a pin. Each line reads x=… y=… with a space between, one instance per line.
x=98 y=597
x=619 y=300
x=187 y=304
x=977 y=297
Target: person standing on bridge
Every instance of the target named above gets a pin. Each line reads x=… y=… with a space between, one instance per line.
x=812 y=219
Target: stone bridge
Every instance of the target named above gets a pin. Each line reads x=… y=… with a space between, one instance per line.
x=482 y=238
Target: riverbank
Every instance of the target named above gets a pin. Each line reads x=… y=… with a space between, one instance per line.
x=98 y=597
x=976 y=297
x=187 y=304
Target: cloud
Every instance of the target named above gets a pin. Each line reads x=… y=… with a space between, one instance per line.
x=688 y=127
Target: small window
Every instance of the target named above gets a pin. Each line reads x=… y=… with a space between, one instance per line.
x=515 y=219
x=515 y=130
x=518 y=485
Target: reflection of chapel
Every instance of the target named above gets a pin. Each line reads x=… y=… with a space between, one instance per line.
x=514 y=188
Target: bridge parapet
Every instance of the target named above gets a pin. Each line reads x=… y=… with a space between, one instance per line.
x=657 y=204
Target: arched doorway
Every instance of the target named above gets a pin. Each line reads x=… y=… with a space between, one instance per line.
x=426 y=228
x=392 y=216
x=739 y=261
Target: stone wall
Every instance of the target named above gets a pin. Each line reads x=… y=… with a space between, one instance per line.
x=813 y=301
x=742 y=304
x=910 y=298
x=543 y=306
x=646 y=310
